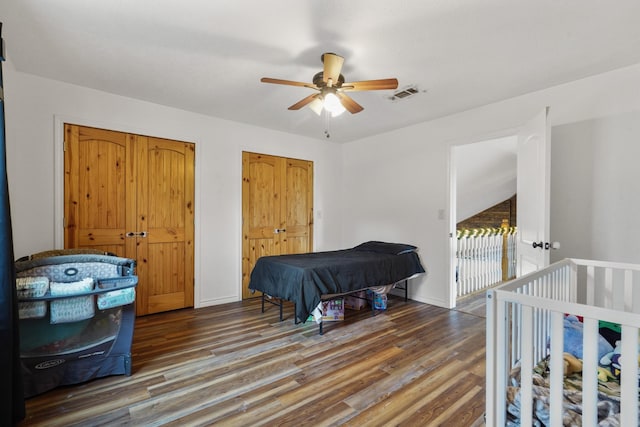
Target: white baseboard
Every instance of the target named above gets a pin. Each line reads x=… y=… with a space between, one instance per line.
x=432 y=301
x=216 y=301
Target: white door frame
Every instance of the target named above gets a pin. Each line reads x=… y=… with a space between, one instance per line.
x=452 y=193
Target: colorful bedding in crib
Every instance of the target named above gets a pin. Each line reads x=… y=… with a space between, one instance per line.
x=608 y=380
x=608 y=399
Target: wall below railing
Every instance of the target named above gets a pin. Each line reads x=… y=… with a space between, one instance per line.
x=485 y=257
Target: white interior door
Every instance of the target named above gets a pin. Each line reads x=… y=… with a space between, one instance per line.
x=533 y=194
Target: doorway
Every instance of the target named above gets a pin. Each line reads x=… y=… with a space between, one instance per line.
x=532 y=187
x=484 y=175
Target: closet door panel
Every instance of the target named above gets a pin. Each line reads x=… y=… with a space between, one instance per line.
x=95 y=189
x=165 y=216
x=299 y=206
x=167 y=290
x=262 y=202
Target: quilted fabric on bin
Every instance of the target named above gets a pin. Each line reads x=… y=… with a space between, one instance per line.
x=75 y=308
x=32 y=309
x=32 y=287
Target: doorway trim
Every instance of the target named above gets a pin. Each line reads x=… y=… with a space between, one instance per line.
x=452 y=193
x=58 y=184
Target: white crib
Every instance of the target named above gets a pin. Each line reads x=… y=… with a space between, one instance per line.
x=525 y=325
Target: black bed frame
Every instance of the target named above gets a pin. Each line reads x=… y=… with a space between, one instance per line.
x=279 y=302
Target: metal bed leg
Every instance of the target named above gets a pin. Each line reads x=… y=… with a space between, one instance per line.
x=275 y=301
x=320 y=327
x=405 y=289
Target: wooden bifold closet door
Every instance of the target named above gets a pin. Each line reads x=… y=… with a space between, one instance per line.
x=133 y=195
x=277 y=209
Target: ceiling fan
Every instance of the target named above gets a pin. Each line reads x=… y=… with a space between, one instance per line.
x=330 y=88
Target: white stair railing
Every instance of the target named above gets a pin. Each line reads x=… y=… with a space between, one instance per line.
x=485 y=256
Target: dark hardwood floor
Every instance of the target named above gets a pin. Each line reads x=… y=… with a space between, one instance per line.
x=413 y=365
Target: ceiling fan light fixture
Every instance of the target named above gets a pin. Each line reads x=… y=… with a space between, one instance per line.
x=330 y=85
x=332 y=104
x=316 y=106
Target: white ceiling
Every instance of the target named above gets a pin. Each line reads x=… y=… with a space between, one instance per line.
x=486 y=174
x=208 y=56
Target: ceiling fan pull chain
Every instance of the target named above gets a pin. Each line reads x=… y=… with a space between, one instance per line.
x=326 y=118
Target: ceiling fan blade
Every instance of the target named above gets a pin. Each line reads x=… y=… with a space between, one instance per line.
x=298 y=105
x=332 y=67
x=347 y=102
x=380 y=84
x=285 y=82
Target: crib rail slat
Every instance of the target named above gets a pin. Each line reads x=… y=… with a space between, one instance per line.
x=629 y=376
x=591 y=289
x=609 y=298
x=628 y=291
x=556 y=366
x=526 y=368
x=501 y=371
x=590 y=373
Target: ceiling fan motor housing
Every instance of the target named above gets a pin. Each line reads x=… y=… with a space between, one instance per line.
x=318 y=80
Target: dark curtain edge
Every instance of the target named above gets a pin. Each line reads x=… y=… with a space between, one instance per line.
x=12 y=408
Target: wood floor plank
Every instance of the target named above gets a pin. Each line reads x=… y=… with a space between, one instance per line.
x=396 y=380
x=232 y=365
x=183 y=401
x=397 y=405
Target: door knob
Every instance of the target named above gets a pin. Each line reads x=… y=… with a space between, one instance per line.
x=546 y=245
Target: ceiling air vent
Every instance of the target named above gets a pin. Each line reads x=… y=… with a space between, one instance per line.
x=404 y=93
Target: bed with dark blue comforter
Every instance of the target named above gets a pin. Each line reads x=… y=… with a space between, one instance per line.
x=305 y=278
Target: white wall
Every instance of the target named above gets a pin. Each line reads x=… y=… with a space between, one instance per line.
x=396 y=183
x=35 y=108
x=485 y=174
x=388 y=187
x=571 y=190
x=596 y=198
